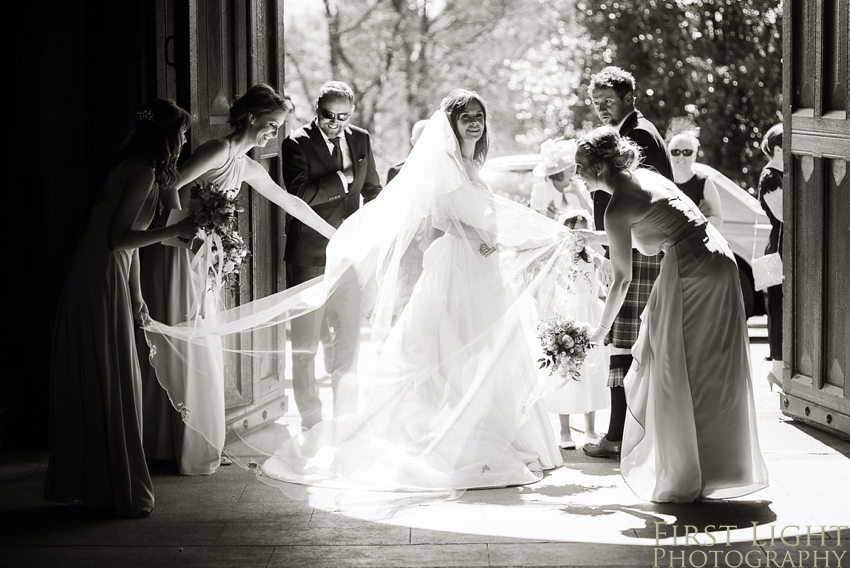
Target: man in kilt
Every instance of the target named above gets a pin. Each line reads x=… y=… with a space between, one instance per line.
x=612 y=91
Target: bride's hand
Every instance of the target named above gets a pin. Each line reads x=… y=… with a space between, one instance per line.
x=486 y=250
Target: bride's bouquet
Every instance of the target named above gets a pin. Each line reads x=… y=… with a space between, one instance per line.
x=565 y=343
x=215 y=212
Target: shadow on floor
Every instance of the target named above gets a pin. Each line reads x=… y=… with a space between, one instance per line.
x=826 y=438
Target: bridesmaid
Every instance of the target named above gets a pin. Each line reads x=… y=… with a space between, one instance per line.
x=96 y=455
x=171 y=287
x=690 y=430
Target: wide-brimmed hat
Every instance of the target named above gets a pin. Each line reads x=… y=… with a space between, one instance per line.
x=557 y=156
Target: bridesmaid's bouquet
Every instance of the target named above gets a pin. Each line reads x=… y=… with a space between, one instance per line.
x=212 y=209
x=215 y=212
x=565 y=343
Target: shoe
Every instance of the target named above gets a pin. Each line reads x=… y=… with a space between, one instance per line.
x=604 y=449
x=773 y=380
x=225 y=460
x=567 y=444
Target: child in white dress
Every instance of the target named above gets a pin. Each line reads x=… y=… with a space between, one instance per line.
x=576 y=293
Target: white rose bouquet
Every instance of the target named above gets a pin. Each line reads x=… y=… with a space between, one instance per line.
x=565 y=343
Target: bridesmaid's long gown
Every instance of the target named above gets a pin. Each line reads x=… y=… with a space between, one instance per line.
x=691 y=427
x=170 y=287
x=96 y=455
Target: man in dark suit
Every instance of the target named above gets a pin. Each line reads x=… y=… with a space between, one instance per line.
x=329 y=164
x=612 y=91
x=415 y=133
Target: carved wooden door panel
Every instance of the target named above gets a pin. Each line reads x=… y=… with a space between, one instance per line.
x=210 y=52
x=816 y=91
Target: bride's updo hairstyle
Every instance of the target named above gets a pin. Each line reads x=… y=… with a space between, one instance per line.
x=157 y=136
x=258 y=100
x=604 y=145
x=454 y=105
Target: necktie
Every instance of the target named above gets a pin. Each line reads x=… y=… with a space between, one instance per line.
x=337 y=154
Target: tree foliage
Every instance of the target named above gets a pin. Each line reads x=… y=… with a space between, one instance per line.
x=402 y=57
x=716 y=61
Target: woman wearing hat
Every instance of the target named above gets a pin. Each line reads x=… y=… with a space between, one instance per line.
x=557 y=191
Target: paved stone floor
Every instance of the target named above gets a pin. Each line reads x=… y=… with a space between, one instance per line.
x=579 y=515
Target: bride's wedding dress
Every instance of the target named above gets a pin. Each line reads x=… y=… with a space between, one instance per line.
x=451 y=400
x=449 y=393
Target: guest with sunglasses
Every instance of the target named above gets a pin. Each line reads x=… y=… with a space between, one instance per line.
x=683 y=146
x=329 y=164
x=557 y=191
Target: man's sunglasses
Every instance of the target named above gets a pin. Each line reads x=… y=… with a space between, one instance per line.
x=682 y=152
x=340 y=116
x=556 y=177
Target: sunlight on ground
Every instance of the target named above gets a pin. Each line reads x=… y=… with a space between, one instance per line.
x=588 y=501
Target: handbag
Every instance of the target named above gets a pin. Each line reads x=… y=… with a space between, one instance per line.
x=767 y=269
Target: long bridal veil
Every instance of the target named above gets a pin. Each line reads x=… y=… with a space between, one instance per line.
x=446 y=389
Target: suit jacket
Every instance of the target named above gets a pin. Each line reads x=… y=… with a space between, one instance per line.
x=654 y=157
x=309 y=173
x=393 y=171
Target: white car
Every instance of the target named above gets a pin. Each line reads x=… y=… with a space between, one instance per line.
x=745 y=226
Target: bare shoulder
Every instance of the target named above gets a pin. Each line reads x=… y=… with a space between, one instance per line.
x=629 y=202
x=137 y=171
x=654 y=183
x=253 y=169
x=217 y=147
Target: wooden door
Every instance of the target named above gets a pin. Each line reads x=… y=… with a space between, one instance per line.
x=816 y=252
x=211 y=52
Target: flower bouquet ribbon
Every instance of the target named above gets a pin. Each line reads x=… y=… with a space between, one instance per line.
x=207 y=264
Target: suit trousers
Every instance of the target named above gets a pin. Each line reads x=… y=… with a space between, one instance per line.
x=341 y=315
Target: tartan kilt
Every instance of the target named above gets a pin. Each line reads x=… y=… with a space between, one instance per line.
x=624 y=331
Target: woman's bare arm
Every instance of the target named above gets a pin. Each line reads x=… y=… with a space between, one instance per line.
x=260 y=180
x=710 y=206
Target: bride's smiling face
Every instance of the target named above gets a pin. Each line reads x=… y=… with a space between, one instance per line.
x=470 y=123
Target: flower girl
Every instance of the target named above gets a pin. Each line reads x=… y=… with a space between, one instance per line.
x=575 y=292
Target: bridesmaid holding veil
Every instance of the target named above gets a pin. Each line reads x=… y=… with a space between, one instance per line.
x=96 y=455
x=691 y=428
x=172 y=286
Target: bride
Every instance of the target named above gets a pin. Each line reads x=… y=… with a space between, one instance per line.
x=450 y=394
x=450 y=400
